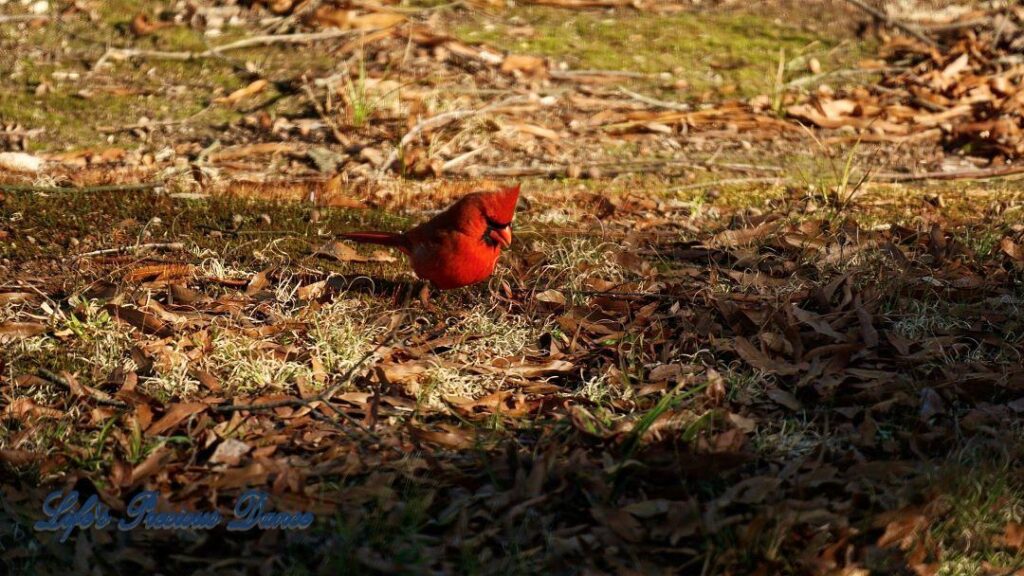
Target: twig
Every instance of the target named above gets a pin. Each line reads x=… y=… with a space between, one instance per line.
x=623 y=295
x=959 y=25
x=883 y=17
x=152 y=123
x=732 y=181
x=97 y=395
x=22 y=18
x=86 y=189
x=134 y=247
x=805 y=80
x=323 y=397
x=335 y=131
x=573 y=74
x=124 y=53
x=654 y=101
x=442 y=119
x=605 y=168
x=959 y=175
x=462 y=158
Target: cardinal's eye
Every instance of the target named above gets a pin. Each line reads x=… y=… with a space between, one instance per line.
x=494 y=224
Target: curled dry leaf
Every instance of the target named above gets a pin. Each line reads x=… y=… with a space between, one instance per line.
x=551 y=296
x=753 y=356
x=450 y=437
x=24 y=406
x=230 y=452
x=343 y=252
x=146 y=322
x=530 y=65
x=537 y=370
x=243 y=93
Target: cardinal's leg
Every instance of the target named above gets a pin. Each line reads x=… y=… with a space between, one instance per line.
x=425 y=298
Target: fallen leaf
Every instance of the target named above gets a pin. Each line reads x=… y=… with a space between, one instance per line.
x=11 y=330
x=342 y=252
x=243 y=93
x=785 y=398
x=174 y=415
x=230 y=452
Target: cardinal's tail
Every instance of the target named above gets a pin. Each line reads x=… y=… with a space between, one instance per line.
x=399 y=241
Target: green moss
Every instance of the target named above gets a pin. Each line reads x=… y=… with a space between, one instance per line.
x=707 y=50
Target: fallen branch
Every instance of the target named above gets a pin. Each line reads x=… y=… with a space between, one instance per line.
x=331 y=124
x=86 y=189
x=655 y=102
x=959 y=175
x=805 y=80
x=442 y=119
x=733 y=181
x=99 y=396
x=889 y=21
x=22 y=18
x=605 y=168
x=133 y=248
x=125 y=53
x=573 y=74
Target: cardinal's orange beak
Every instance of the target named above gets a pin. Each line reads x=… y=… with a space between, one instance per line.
x=502 y=236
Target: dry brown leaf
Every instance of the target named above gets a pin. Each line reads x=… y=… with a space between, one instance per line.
x=530 y=65
x=174 y=415
x=24 y=406
x=342 y=252
x=16 y=457
x=785 y=398
x=12 y=330
x=534 y=130
x=753 y=356
x=146 y=322
x=451 y=438
x=551 y=296
x=1013 y=536
x=243 y=93
x=230 y=451
x=537 y=370
x=732 y=238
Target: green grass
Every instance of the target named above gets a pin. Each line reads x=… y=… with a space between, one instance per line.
x=732 y=52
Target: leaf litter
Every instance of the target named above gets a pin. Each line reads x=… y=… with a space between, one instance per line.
x=748 y=390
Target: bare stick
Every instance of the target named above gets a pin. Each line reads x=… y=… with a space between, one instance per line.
x=98 y=395
x=335 y=131
x=959 y=175
x=606 y=168
x=124 y=53
x=22 y=18
x=134 y=247
x=87 y=189
x=442 y=119
x=462 y=158
x=805 y=80
x=732 y=181
x=574 y=74
x=883 y=17
x=655 y=102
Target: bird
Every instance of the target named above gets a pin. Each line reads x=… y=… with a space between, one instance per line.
x=460 y=246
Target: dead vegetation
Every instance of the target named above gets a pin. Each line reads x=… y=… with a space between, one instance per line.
x=722 y=343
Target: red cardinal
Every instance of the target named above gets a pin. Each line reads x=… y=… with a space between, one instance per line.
x=459 y=246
